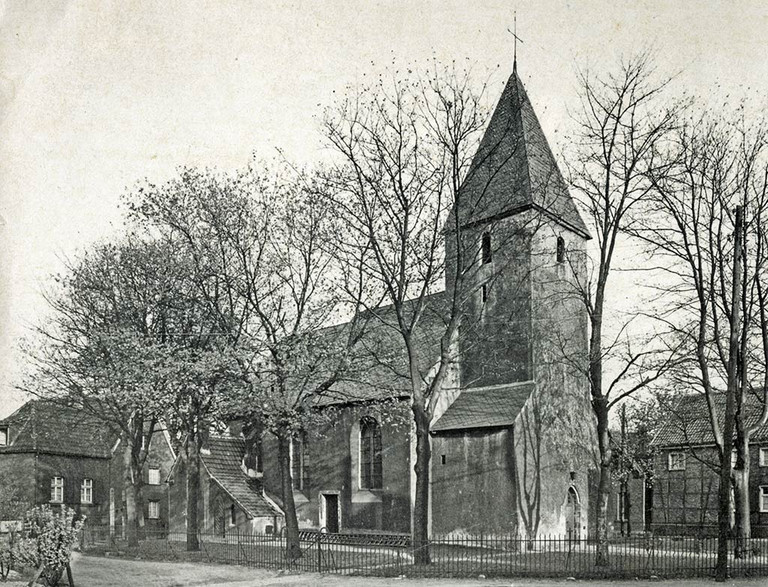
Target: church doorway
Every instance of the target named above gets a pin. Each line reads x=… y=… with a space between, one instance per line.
x=573 y=514
x=329 y=513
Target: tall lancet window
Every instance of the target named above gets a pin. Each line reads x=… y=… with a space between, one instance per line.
x=370 y=454
x=560 y=249
x=486 y=248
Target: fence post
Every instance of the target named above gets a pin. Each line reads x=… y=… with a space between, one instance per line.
x=319 y=553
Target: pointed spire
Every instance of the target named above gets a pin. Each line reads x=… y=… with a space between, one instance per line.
x=514 y=168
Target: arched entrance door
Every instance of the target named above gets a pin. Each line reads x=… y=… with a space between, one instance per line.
x=573 y=514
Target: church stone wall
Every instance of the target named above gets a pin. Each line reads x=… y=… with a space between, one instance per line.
x=554 y=433
x=332 y=466
x=473 y=483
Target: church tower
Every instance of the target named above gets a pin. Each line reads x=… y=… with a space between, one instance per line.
x=518 y=435
x=521 y=228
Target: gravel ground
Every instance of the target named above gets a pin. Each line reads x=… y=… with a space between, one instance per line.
x=93 y=571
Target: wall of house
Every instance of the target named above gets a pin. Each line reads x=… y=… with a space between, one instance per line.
x=637 y=505
x=331 y=465
x=473 y=483
x=160 y=456
x=18 y=471
x=685 y=502
x=74 y=470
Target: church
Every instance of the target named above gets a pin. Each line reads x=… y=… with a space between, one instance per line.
x=512 y=440
x=511 y=434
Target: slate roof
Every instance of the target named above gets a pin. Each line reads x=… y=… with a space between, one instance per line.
x=57 y=428
x=514 y=168
x=688 y=423
x=485 y=407
x=380 y=359
x=223 y=465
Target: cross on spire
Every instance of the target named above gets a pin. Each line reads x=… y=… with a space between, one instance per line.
x=514 y=34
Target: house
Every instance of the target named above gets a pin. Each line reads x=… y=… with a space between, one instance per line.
x=65 y=455
x=231 y=498
x=62 y=454
x=511 y=437
x=154 y=509
x=686 y=469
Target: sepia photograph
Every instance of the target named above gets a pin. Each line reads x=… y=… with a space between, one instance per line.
x=309 y=292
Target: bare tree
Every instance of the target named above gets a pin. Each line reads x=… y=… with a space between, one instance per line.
x=412 y=185
x=621 y=124
x=705 y=230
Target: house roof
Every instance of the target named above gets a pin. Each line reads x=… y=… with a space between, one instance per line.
x=223 y=465
x=689 y=424
x=57 y=428
x=485 y=407
x=514 y=168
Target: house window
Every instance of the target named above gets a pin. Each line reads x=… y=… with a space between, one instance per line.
x=154 y=476
x=153 y=512
x=764 y=498
x=298 y=473
x=764 y=456
x=560 y=249
x=57 y=490
x=676 y=461
x=3 y=436
x=86 y=491
x=232 y=515
x=486 y=248
x=370 y=454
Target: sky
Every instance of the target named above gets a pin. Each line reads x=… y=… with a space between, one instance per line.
x=97 y=95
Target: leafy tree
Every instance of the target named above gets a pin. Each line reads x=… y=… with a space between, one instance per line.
x=263 y=269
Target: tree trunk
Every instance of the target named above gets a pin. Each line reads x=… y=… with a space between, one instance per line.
x=193 y=492
x=421 y=504
x=724 y=502
x=743 y=527
x=292 y=545
x=129 y=494
x=604 y=485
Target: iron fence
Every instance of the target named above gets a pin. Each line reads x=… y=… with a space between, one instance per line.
x=389 y=555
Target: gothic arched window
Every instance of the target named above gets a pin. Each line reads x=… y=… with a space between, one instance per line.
x=370 y=454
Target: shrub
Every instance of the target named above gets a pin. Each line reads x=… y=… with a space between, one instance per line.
x=8 y=548
x=48 y=539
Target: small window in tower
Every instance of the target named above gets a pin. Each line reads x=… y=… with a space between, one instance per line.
x=560 y=249
x=442 y=459
x=487 y=256
x=485 y=292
